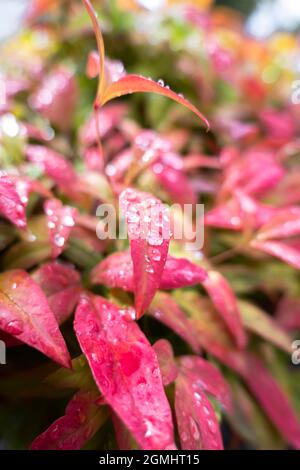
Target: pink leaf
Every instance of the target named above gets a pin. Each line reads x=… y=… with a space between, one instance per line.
x=280 y=125
x=56 y=98
x=93 y=64
x=61 y=285
x=273 y=400
x=101 y=122
x=224 y=301
x=247 y=173
x=240 y=213
x=282 y=250
x=286 y=223
x=197 y=423
x=94 y=159
x=168 y=170
x=54 y=165
x=70 y=432
x=167 y=365
x=165 y=309
x=61 y=220
x=12 y=204
x=288 y=313
x=206 y=376
x=136 y=83
x=124 y=437
x=126 y=370
x=25 y=314
x=148 y=225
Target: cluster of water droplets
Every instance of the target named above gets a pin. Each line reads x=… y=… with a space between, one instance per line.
x=61 y=219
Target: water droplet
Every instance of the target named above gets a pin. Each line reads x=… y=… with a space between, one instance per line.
x=95 y=357
x=156 y=256
x=149 y=428
x=68 y=221
x=59 y=240
x=110 y=170
x=155 y=372
x=81 y=417
x=198 y=396
x=194 y=429
x=149 y=270
x=55 y=432
x=14 y=327
x=49 y=211
x=212 y=426
x=161 y=82
x=31 y=237
x=155 y=241
x=206 y=411
x=184 y=436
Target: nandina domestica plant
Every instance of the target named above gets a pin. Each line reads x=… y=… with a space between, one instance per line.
x=149 y=341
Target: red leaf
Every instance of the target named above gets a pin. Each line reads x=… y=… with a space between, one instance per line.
x=212 y=333
x=136 y=83
x=273 y=400
x=12 y=204
x=197 y=423
x=25 y=314
x=61 y=220
x=54 y=165
x=70 y=432
x=224 y=301
x=167 y=365
x=109 y=89
x=206 y=376
x=281 y=250
x=126 y=369
x=165 y=309
x=117 y=271
x=61 y=285
x=180 y=272
x=148 y=225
